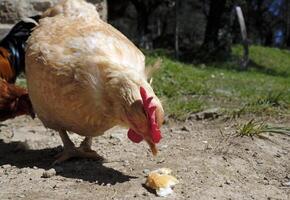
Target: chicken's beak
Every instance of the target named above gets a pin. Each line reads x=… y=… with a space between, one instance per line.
x=153 y=148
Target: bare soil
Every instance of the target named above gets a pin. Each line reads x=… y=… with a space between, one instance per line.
x=206 y=157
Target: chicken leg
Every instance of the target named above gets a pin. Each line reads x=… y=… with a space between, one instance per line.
x=70 y=151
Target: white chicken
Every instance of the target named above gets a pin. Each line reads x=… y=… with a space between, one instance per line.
x=84 y=76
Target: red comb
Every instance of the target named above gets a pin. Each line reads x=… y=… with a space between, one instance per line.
x=150 y=111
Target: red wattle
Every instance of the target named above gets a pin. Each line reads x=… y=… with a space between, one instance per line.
x=156 y=134
x=134 y=137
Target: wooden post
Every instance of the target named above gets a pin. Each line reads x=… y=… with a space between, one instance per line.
x=245 y=60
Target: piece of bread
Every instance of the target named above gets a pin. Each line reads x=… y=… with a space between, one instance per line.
x=161 y=181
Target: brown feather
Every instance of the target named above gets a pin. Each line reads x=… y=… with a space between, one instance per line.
x=6 y=70
x=14 y=101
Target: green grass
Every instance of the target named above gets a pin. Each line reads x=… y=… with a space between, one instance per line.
x=254 y=128
x=262 y=90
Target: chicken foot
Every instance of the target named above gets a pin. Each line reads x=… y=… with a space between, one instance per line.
x=71 y=151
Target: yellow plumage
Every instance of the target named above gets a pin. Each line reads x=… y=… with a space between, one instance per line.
x=83 y=75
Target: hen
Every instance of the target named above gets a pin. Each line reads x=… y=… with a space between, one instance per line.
x=84 y=76
x=14 y=100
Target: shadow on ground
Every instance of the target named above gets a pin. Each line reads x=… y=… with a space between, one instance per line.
x=87 y=170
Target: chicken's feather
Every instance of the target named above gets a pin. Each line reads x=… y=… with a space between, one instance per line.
x=6 y=70
x=14 y=101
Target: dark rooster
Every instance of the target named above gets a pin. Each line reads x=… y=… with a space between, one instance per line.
x=14 y=100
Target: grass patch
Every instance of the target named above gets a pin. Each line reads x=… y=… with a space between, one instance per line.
x=253 y=128
x=262 y=90
x=189 y=88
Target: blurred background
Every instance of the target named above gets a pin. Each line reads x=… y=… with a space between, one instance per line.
x=193 y=24
x=213 y=60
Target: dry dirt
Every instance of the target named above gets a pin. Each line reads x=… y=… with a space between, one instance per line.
x=209 y=161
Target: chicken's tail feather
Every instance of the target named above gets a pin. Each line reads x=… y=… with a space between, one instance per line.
x=151 y=69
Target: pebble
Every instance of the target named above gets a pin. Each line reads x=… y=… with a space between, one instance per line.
x=274 y=182
x=227 y=182
x=7 y=166
x=259 y=162
x=277 y=155
x=126 y=163
x=146 y=171
x=184 y=128
x=49 y=173
x=286 y=184
x=119 y=136
x=164 y=146
x=145 y=194
x=136 y=195
x=265 y=181
x=34 y=167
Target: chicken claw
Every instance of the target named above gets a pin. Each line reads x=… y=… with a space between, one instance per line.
x=70 y=151
x=76 y=152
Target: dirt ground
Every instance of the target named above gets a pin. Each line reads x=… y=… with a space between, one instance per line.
x=205 y=156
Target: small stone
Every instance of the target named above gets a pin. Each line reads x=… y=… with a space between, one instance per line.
x=125 y=163
x=34 y=167
x=136 y=195
x=288 y=176
x=184 y=128
x=49 y=173
x=227 y=182
x=259 y=162
x=21 y=196
x=265 y=182
x=286 y=184
x=145 y=194
x=146 y=171
x=274 y=182
x=119 y=136
x=278 y=155
x=206 y=114
x=79 y=180
x=7 y=166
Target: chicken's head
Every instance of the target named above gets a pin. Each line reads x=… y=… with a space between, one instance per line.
x=146 y=120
